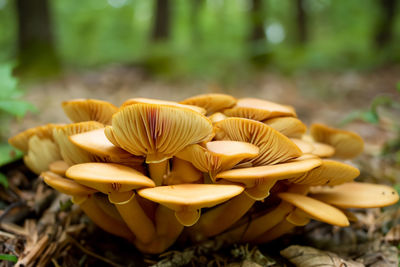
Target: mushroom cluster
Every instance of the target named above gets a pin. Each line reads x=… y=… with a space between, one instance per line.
x=144 y=171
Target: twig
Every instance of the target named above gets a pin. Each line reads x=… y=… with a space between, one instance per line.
x=90 y=253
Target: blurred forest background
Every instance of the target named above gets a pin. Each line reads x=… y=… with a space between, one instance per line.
x=206 y=39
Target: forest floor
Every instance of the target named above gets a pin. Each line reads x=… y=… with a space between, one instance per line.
x=41 y=225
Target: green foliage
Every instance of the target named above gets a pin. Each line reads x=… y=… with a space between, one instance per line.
x=66 y=205
x=8 y=257
x=3 y=181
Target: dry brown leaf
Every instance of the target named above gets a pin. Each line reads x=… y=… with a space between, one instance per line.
x=302 y=256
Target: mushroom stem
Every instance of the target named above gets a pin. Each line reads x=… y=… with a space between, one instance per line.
x=158 y=171
x=136 y=219
x=168 y=230
x=222 y=217
x=280 y=229
x=104 y=221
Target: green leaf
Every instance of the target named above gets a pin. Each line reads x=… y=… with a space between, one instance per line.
x=8 y=154
x=66 y=206
x=17 y=108
x=8 y=257
x=370 y=116
x=398 y=87
x=3 y=180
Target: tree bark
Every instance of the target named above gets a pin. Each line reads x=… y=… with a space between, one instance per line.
x=384 y=32
x=161 y=29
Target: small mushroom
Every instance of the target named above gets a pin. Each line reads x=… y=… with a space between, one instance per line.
x=59 y=167
x=79 y=110
x=330 y=172
x=118 y=182
x=187 y=199
x=83 y=196
x=356 y=195
x=157 y=132
x=347 y=144
x=97 y=143
x=288 y=126
x=211 y=102
x=216 y=117
x=71 y=153
x=306 y=208
x=274 y=146
x=260 y=110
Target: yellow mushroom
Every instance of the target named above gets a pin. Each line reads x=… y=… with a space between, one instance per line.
x=79 y=110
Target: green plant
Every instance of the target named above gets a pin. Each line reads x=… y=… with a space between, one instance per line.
x=11 y=107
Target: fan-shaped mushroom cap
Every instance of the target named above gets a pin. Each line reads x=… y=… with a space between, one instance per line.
x=304 y=146
x=21 y=140
x=59 y=167
x=347 y=144
x=108 y=177
x=330 y=172
x=216 y=117
x=218 y=155
x=41 y=153
x=97 y=143
x=156 y=131
x=187 y=199
x=162 y=102
x=260 y=110
x=66 y=186
x=316 y=209
x=211 y=102
x=356 y=195
x=70 y=152
x=274 y=146
x=79 y=110
x=259 y=180
x=323 y=150
x=288 y=126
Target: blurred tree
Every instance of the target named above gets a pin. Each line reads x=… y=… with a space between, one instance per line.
x=161 y=29
x=384 y=33
x=196 y=6
x=301 y=20
x=258 y=45
x=36 y=50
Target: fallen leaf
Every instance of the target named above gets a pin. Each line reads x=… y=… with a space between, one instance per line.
x=302 y=256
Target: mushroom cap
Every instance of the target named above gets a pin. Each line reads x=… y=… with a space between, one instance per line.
x=316 y=209
x=304 y=146
x=274 y=146
x=66 y=186
x=211 y=102
x=289 y=126
x=71 y=153
x=218 y=155
x=260 y=110
x=217 y=116
x=79 y=110
x=21 y=140
x=140 y=100
x=323 y=150
x=97 y=143
x=330 y=172
x=59 y=167
x=347 y=144
x=187 y=199
x=356 y=195
x=41 y=153
x=108 y=177
x=157 y=131
x=280 y=171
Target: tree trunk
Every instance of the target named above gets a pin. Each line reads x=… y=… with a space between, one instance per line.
x=36 y=50
x=301 y=19
x=257 y=21
x=161 y=30
x=384 y=32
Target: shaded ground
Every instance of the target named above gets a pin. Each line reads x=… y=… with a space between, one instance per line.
x=71 y=240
